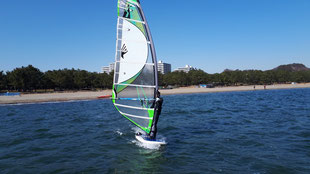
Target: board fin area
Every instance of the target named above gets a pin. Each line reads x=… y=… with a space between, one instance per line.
x=145 y=140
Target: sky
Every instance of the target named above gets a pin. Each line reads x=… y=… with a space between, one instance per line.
x=211 y=35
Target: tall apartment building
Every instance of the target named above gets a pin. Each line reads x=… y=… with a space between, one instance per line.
x=164 y=68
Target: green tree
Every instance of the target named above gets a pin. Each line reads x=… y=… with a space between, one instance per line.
x=217 y=79
x=282 y=76
x=197 y=77
x=82 y=79
x=3 y=81
x=176 y=78
x=160 y=78
x=61 y=79
x=25 y=78
x=300 y=76
x=102 y=80
x=227 y=77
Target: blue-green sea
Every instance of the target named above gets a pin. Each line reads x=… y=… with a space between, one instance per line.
x=255 y=132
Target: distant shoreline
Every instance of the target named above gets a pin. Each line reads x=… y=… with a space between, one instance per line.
x=89 y=95
x=194 y=89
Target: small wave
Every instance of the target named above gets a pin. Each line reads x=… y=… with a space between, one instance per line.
x=119 y=132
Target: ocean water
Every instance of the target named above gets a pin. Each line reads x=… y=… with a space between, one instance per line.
x=254 y=132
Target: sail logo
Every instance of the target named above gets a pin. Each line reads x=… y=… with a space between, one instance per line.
x=123 y=51
x=127 y=11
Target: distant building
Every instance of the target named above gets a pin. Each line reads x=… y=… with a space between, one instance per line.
x=111 y=67
x=105 y=69
x=164 y=68
x=108 y=69
x=186 y=69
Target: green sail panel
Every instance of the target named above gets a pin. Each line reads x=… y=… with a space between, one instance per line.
x=135 y=73
x=130 y=11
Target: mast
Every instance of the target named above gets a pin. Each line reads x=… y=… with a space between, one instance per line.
x=159 y=100
x=152 y=49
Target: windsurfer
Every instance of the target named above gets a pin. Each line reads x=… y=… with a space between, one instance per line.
x=157 y=111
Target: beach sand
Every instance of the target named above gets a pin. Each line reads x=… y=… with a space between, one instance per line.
x=194 y=89
x=89 y=95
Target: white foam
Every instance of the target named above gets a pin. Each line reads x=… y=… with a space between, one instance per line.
x=119 y=132
x=136 y=129
x=147 y=145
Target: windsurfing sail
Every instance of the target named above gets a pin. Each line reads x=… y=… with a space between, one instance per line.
x=135 y=89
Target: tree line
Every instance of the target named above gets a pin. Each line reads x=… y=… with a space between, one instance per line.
x=32 y=79
x=234 y=78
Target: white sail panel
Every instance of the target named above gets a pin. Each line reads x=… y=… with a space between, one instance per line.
x=134 y=52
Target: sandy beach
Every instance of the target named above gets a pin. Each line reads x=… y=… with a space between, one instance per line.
x=89 y=95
